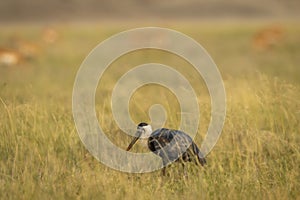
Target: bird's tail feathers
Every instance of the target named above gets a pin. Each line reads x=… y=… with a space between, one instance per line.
x=199 y=155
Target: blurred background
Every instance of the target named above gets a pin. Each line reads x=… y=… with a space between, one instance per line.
x=76 y=10
x=255 y=44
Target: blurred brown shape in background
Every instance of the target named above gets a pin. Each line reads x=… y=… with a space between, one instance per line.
x=268 y=37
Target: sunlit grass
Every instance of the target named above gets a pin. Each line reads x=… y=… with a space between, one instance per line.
x=257 y=156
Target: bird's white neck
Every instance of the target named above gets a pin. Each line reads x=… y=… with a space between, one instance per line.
x=147 y=132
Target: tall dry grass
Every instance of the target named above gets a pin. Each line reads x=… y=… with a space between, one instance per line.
x=257 y=155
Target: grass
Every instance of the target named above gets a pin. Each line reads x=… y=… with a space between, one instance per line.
x=257 y=156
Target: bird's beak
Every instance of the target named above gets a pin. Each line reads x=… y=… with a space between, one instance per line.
x=138 y=135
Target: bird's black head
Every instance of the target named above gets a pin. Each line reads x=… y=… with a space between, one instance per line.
x=142 y=124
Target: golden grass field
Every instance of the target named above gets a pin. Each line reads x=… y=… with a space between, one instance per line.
x=256 y=157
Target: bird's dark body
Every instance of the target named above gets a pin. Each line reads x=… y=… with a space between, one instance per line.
x=173 y=145
x=170 y=145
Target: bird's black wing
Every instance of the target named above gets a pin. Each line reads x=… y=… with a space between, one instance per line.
x=159 y=139
x=169 y=144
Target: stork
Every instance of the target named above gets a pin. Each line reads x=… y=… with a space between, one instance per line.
x=171 y=145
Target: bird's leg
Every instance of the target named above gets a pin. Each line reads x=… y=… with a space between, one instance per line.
x=185 y=174
x=165 y=164
x=164 y=171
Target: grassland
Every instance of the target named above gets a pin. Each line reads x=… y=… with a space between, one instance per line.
x=257 y=156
